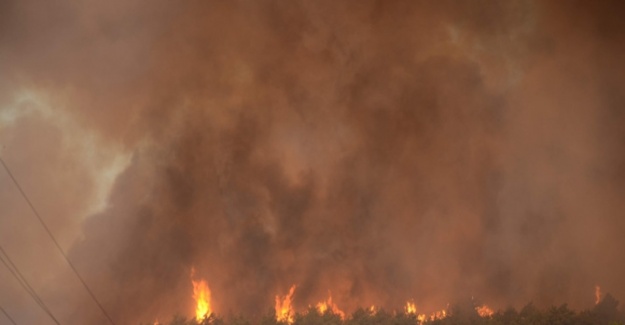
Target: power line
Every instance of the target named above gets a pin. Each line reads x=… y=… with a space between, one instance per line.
x=7 y=315
x=24 y=283
x=56 y=243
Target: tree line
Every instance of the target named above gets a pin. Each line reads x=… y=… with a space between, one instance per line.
x=606 y=312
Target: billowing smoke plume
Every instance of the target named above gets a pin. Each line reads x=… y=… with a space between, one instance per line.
x=382 y=150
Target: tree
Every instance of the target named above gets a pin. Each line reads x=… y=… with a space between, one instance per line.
x=606 y=311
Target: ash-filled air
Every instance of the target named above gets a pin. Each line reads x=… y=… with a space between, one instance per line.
x=383 y=151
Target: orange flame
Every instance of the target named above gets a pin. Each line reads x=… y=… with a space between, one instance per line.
x=284 y=308
x=373 y=310
x=438 y=315
x=597 y=294
x=484 y=311
x=324 y=306
x=202 y=296
x=410 y=308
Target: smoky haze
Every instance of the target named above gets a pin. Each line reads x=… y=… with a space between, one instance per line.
x=380 y=150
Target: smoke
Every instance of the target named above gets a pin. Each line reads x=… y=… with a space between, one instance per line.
x=382 y=150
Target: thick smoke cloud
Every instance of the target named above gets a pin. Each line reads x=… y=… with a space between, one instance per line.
x=380 y=150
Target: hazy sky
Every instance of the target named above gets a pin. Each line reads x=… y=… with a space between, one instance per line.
x=380 y=150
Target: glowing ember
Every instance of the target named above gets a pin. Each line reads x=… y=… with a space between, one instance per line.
x=284 y=307
x=597 y=294
x=324 y=306
x=202 y=296
x=484 y=311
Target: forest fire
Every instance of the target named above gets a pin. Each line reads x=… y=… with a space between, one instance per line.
x=597 y=295
x=484 y=311
x=438 y=315
x=284 y=307
x=328 y=305
x=202 y=296
x=410 y=308
x=286 y=313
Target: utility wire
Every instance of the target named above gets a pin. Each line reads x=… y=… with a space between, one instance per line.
x=21 y=279
x=24 y=283
x=56 y=243
x=7 y=315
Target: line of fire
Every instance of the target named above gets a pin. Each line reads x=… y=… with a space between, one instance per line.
x=328 y=312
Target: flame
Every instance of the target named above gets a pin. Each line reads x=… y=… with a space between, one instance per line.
x=484 y=311
x=597 y=294
x=202 y=296
x=410 y=308
x=373 y=310
x=438 y=315
x=284 y=309
x=324 y=306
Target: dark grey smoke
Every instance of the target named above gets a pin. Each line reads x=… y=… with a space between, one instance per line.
x=383 y=150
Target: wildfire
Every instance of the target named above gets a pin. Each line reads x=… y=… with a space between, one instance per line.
x=285 y=313
x=324 y=306
x=202 y=296
x=284 y=307
x=484 y=311
x=410 y=308
x=597 y=294
x=438 y=315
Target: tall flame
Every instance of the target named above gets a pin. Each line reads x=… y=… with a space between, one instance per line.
x=597 y=295
x=324 y=306
x=284 y=307
x=202 y=296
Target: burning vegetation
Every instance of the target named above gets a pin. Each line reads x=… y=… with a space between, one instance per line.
x=360 y=162
x=284 y=307
x=202 y=295
x=606 y=312
x=329 y=306
x=327 y=312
